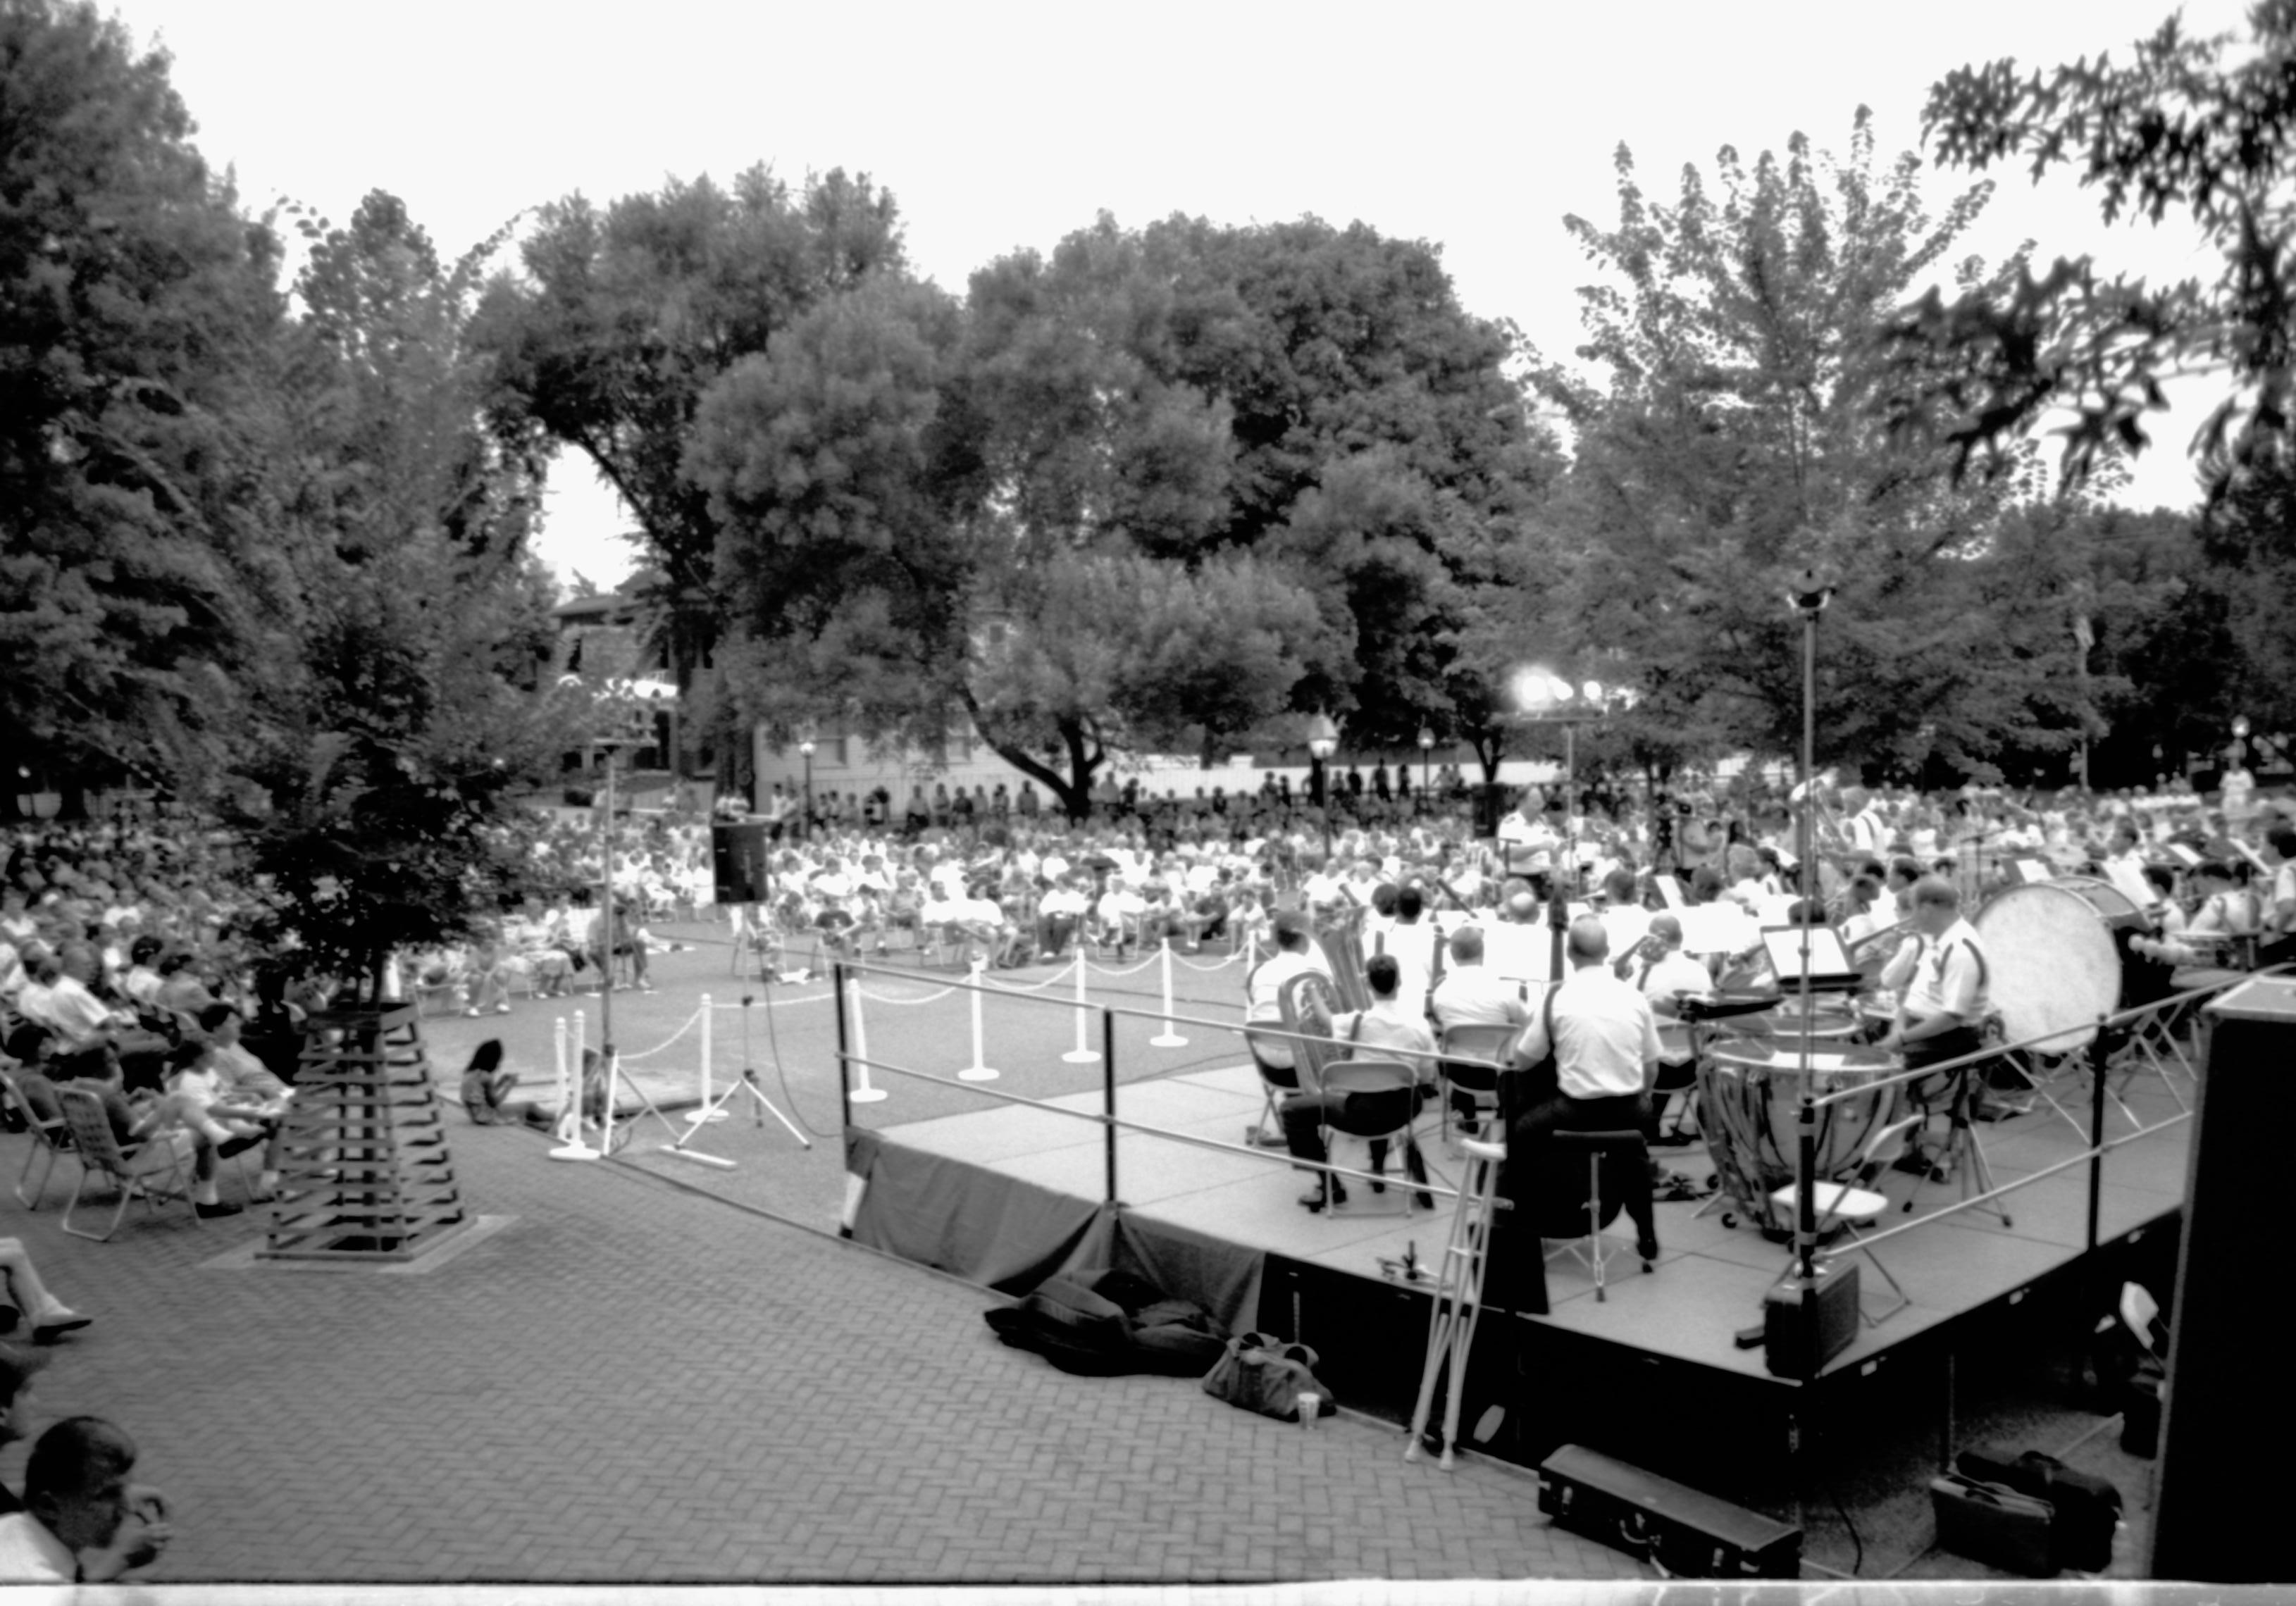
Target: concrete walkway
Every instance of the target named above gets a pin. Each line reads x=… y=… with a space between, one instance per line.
x=622 y=1380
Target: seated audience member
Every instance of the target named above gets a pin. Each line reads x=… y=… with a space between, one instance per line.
x=182 y=989
x=630 y=940
x=489 y=974
x=1388 y=1028
x=32 y=1309
x=17 y=1367
x=82 y=1521
x=485 y=1084
x=195 y=1101
x=1059 y=912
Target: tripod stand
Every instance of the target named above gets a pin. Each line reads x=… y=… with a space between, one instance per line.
x=761 y=1106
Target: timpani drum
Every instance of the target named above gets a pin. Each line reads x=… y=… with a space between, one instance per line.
x=1829 y=1023
x=1749 y=1101
x=2057 y=958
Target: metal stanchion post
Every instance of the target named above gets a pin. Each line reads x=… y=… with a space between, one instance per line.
x=1108 y=1091
x=2097 y=1073
x=844 y=1044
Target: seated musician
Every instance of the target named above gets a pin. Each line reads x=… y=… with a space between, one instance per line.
x=2279 y=922
x=1940 y=980
x=2227 y=912
x=1411 y=942
x=1669 y=977
x=1389 y=1027
x=1606 y=1052
x=1264 y=994
x=1472 y=994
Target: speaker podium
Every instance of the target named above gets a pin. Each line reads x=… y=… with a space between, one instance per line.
x=739 y=862
x=2231 y=1396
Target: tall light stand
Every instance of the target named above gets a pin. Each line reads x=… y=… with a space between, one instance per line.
x=1426 y=764
x=1808 y=594
x=1322 y=742
x=805 y=745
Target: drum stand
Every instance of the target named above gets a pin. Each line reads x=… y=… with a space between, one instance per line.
x=1964 y=1156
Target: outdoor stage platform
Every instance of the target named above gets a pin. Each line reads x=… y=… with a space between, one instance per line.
x=1008 y=1195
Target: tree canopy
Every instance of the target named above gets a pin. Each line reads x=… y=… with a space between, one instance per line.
x=1741 y=437
x=1159 y=484
x=2201 y=126
x=132 y=296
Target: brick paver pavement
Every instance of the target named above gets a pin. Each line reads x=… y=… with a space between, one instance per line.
x=633 y=1381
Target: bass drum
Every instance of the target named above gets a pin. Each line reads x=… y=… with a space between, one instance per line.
x=2056 y=955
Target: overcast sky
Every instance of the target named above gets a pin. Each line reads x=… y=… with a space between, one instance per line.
x=1003 y=126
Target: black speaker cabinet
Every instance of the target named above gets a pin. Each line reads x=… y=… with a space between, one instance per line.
x=1806 y=1322
x=738 y=859
x=2220 y=1515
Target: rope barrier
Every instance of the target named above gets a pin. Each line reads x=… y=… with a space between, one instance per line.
x=1217 y=964
x=1032 y=987
x=673 y=1038
x=903 y=1002
x=1106 y=970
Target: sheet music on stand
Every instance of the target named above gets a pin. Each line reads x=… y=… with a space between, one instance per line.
x=1717 y=928
x=1518 y=953
x=2129 y=882
x=2029 y=871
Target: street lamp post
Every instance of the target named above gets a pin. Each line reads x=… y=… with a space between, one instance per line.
x=805 y=745
x=1426 y=760
x=1322 y=742
x=2239 y=740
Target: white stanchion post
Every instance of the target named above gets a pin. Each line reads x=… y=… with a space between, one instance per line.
x=865 y=1094
x=978 y=1072
x=709 y=1110
x=1169 y=1038
x=570 y=1146
x=1083 y=1053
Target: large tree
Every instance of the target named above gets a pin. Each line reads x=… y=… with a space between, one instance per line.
x=133 y=301
x=1155 y=487
x=400 y=705
x=2205 y=128
x=625 y=318
x=1735 y=439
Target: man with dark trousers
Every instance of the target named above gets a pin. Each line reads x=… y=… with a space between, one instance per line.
x=1606 y=1048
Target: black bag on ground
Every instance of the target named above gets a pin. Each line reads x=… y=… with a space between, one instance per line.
x=2086 y=1509
x=1993 y=1523
x=1119 y=1325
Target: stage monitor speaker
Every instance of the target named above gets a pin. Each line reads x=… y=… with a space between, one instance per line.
x=2230 y=1394
x=739 y=860
x=1689 y=1533
x=1490 y=807
x=1807 y=1323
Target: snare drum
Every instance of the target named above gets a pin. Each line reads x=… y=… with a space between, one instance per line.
x=1749 y=1101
